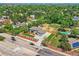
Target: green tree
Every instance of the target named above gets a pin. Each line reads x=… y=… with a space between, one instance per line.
x=1 y=38
x=64 y=43
x=75 y=31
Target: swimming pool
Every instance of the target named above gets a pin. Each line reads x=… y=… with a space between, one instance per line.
x=75 y=45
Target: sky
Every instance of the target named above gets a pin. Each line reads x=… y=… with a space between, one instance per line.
x=39 y=1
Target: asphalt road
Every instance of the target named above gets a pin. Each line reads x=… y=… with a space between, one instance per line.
x=47 y=52
x=22 y=48
x=17 y=48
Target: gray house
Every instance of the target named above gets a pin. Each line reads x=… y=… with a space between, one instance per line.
x=37 y=30
x=76 y=18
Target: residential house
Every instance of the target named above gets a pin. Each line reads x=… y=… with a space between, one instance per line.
x=37 y=30
x=76 y=18
x=5 y=20
x=18 y=24
x=31 y=17
x=39 y=33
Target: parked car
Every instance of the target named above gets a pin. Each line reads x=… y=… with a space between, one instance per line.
x=13 y=39
x=32 y=44
x=37 y=55
x=72 y=35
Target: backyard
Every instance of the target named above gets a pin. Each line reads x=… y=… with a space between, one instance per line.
x=52 y=40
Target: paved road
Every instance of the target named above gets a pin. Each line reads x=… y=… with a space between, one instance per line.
x=47 y=52
x=18 y=48
x=8 y=49
x=23 y=48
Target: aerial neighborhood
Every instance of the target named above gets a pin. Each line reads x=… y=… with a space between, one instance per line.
x=39 y=30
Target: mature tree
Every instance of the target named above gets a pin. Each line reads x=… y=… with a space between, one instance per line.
x=2 y=38
x=64 y=43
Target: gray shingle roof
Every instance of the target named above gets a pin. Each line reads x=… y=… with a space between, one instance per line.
x=38 y=30
x=76 y=18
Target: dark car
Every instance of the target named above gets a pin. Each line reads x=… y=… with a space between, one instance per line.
x=13 y=39
x=37 y=55
x=72 y=36
x=32 y=43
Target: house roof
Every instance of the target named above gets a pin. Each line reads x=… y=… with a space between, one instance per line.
x=38 y=30
x=2 y=20
x=76 y=18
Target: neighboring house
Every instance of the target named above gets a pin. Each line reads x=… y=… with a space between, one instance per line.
x=5 y=20
x=37 y=30
x=18 y=24
x=1 y=21
x=76 y=18
x=39 y=33
x=5 y=17
x=31 y=18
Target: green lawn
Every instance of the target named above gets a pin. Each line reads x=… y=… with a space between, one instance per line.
x=53 y=40
x=26 y=34
x=50 y=36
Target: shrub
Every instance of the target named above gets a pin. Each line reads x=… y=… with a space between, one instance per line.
x=2 y=30
x=1 y=38
x=75 y=31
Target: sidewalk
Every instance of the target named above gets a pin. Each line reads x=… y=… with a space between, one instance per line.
x=48 y=48
x=62 y=53
x=27 y=38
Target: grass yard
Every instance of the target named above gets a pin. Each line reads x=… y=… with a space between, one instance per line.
x=26 y=34
x=52 y=40
x=50 y=36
